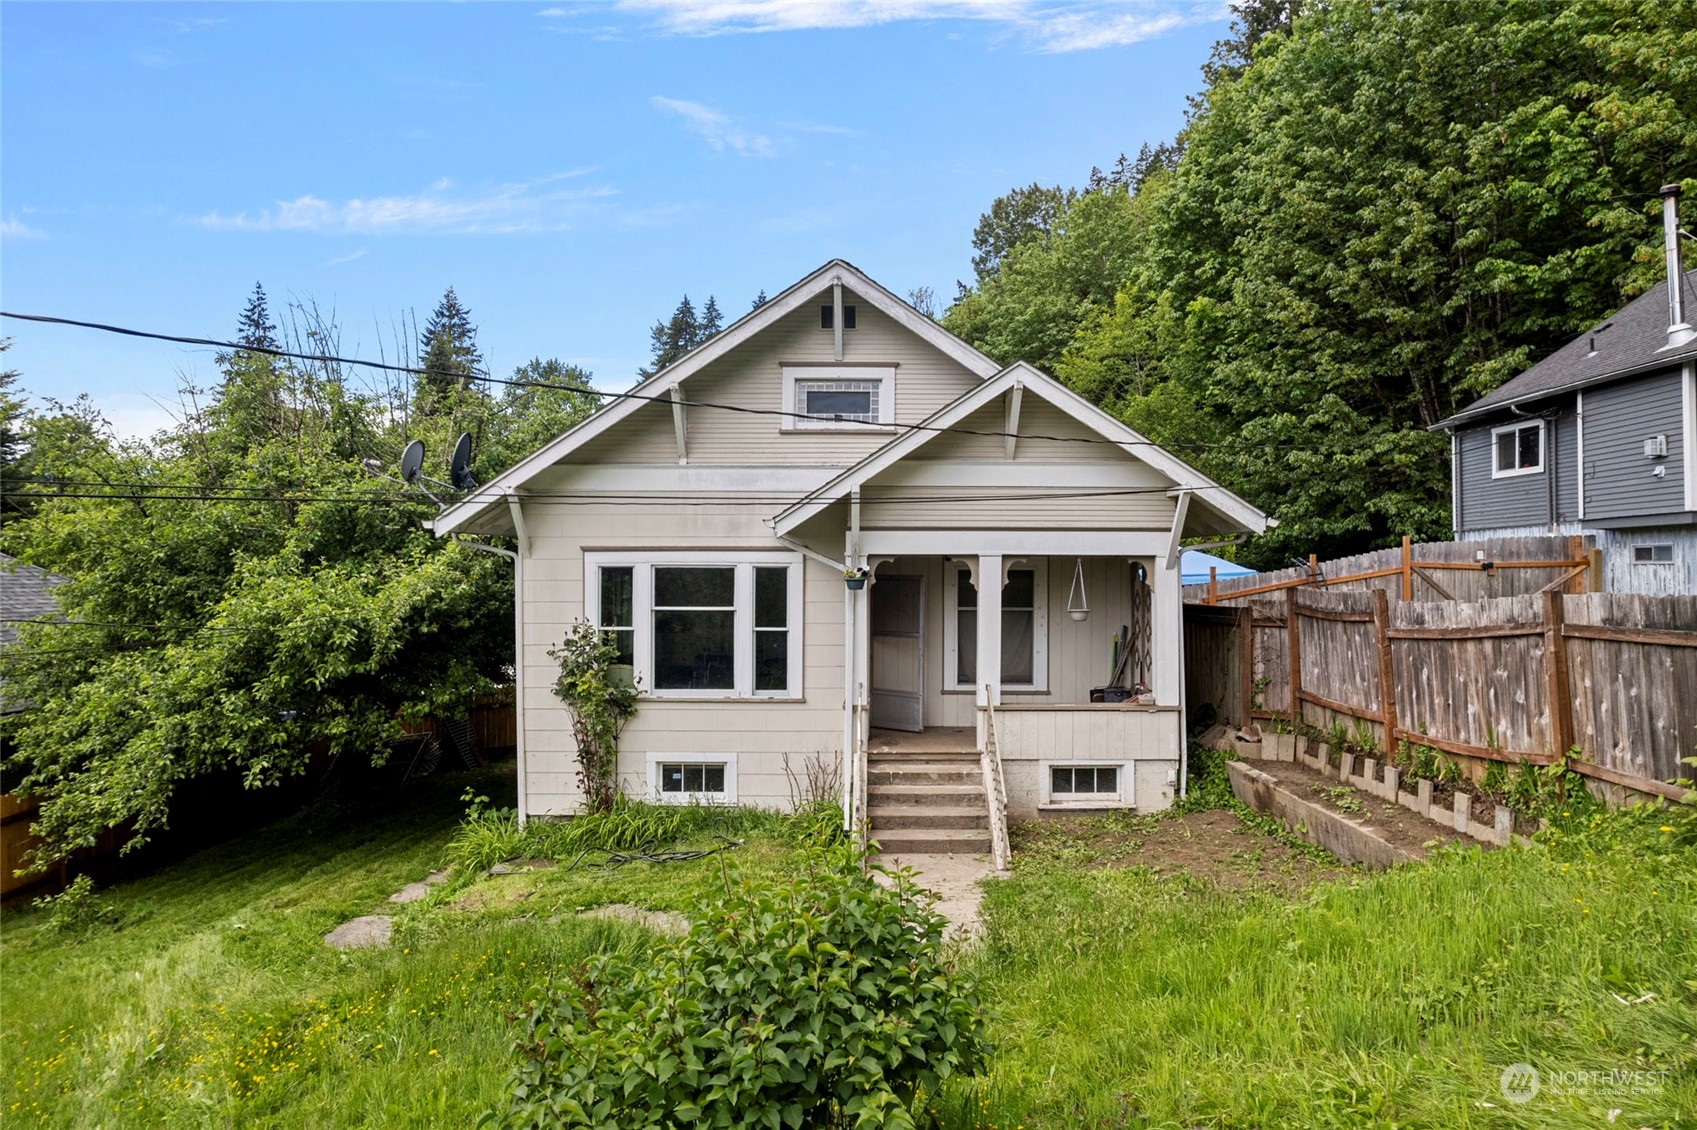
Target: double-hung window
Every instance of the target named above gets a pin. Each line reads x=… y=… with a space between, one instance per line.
x=1517 y=449
x=702 y=625
x=1025 y=629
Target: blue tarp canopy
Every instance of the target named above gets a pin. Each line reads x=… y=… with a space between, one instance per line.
x=1195 y=565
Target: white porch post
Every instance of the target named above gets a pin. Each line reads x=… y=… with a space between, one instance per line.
x=990 y=629
x=1166 y=630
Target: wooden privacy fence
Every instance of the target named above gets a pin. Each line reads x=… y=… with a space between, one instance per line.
x=1448 y=570
x=1518 y=679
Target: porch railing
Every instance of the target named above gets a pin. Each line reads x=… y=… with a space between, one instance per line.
x=995 y=786
x=857 y=782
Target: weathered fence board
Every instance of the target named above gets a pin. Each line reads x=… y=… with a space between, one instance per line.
x=1518 y=678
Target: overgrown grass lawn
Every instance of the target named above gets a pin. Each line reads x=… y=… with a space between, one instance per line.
x=215 y=1002
x=1393 y=999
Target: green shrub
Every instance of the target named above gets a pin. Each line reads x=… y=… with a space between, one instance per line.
x=486 y=836
x=819 y=1002
x=74 y=909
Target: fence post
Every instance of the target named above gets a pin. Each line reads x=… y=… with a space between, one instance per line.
x=1387 y=673
x=1407 y=568
x=1293 y=644
x=1213 y=584
x=1555 y=675
x=1246 y=661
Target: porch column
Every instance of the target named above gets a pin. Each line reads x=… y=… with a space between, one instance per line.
x=990 y=629
x=1166 y=631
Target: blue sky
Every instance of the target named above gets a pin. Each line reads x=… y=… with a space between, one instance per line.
x=569 y=169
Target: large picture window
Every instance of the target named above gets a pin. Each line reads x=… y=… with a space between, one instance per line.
x=1024 y=629
x=702 y=626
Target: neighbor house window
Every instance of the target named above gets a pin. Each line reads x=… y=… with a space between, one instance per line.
x=1517 y=449
x=1102 y=783
x=685 y=778
x=1024 y=629
x=705 y=626
x=838 y=396
x=1661 y=554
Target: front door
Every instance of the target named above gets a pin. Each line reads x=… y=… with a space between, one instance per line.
x=898 y=653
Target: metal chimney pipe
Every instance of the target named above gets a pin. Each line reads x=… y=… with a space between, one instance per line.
x=1679 y=330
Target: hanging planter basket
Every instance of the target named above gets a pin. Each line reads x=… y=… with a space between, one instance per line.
x=1078 y=601
x=855 y=579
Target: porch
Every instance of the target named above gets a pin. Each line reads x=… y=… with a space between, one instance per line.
x=1059 y=675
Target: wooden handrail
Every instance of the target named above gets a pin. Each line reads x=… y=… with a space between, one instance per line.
x=995 y=788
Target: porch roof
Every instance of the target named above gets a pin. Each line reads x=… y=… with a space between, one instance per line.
x=1212 y=509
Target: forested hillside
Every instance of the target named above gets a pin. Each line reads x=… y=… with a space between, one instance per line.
x=1376 y=213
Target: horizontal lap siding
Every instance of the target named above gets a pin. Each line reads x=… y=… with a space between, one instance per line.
x=1047 y=435
x=751 y=376
x=898 y=508
x=1519 y=500
x=1149 y=739
x=760 y=732
x=1618 y=419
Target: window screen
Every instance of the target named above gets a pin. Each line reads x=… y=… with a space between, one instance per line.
x=692 y=778
x=1071 y=780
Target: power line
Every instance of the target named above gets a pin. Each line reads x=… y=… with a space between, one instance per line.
x=484 y=375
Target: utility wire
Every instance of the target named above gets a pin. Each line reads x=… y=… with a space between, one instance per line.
x=610 y=395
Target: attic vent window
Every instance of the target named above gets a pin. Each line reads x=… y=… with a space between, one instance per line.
x=1517 y=449
x=827 y=320
x=821 y=397
x=1661 y=554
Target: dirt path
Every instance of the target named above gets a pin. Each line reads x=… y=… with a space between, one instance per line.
x=1214 y=846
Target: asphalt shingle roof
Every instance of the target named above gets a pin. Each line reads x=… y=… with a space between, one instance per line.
x=1631 y=340
x=26 y=593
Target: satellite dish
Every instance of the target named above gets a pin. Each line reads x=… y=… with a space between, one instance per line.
x=412 y=461
x=460 y=469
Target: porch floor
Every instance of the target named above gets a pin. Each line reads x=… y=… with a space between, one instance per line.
x=933 y=739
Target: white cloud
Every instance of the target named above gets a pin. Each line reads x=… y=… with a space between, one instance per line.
x=14 y=228
x=350 y=257
x=719 y=130
x=1050 y=26
x=531 y=206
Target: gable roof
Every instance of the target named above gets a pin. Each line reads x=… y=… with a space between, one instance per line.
x=1209 y=495
x=767 y=313
x=1631 y=340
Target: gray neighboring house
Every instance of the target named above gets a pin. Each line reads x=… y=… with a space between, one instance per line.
x=26 y=593
x=1597 y=440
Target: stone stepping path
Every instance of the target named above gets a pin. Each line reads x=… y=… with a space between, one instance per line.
x=372 y=931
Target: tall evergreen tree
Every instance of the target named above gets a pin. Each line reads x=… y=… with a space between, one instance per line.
x=257 y=330
x=760 y=300
x=449 y=343
x=672 y=338
x=712 y=321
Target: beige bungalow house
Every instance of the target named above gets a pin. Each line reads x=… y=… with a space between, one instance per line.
x=838 y=534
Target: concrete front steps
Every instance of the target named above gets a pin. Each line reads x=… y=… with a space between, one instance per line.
x=930 y=802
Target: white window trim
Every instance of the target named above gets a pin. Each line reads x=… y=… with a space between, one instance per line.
x=1543 y=439
x=728 y=760
x=1125 y=798
x=642 y=613
x=885 y=375
x=1040 y=627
